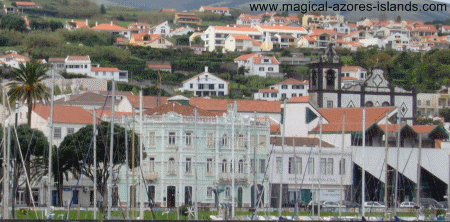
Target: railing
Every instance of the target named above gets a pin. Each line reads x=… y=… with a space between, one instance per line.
x=227 y=177
x=151 y=175
x=171 y=172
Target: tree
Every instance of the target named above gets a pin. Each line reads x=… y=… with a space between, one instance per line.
x=242 y=70
x=429 y=121
x=27 y=87
x=13 y=22
x=68 y=90
x=57 y=90
x=399 y=19
x=80 y=141
x=286 y=53
x=382 y=16
x=102 y=9
x=445 y=112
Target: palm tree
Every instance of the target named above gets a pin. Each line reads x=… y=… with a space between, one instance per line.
x=27 y=86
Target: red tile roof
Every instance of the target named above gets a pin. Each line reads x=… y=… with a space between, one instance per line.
x=244 y=57
x=291 y=81
x=169 y=10
x=140 y=36
x=214 y=8
x=224 y=28
x=185 y=110
x=254 y=42
x=287 y=28
x=242 y=105
x=257 y=60
x=373 y=114
x=299 y=141
x=242 y=37
x=80 y=24
x=158 y=66
x=64 y=114
x=104 y=69
x=25 y=3
x=99 y=112
x=78 y=58
x=298 y=99
x=148 y=102
x=348 y=78
x=268 y=90
x=309 y=38
x=352 y=68
x=109 y=27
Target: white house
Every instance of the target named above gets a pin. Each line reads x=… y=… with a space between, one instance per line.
x=372 y=42
x=13 y=60
x=161 y=29
x=288 y=88
x=82 y=65
x=258 y=64
x=78 y=64
x=445 y=29
x=113 y=29
x=218 y=10
x=356 y=72
x=181 y=31
x=206 y=84
x=214 y=36
x=397 y=39
x=357 y=35
x=72 y=25
x=344 y=28
x=239 y=43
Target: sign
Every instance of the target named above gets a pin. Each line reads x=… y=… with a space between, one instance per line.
x=445 y=96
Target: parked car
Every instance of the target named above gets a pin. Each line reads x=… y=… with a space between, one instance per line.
x=408 y=204
x=373 y=204
x=350 y=204
x=330 y=204
x=430 y=202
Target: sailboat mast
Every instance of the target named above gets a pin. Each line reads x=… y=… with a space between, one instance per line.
x=282 y=153
x=232 y=159
x=133 y=189
x=111 y=150
x=50 y=149
x=141 y=160
x=342 y=165
x=124 y=119
x=5 y=163
x=94 y=129
x=295 y=173
x=396 y=168
x=419 y=169
x=363 y=185
x=386 y=169
x=254 y=164
x=196 y=160
x=320 y=167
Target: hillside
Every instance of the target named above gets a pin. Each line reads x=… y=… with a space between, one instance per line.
x=244 y=4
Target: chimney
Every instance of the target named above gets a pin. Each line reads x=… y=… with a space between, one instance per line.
x=87 y=22
x=96 y=23
x=111 y=23
x=252 y=25
x=206 y=68
x=72 y=20
x=228 y=25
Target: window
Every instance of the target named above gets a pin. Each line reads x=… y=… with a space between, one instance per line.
x=221 y=94
x=188 y=165
x=227 y=192
x=302 y=87
x=262 y=141
x=206 y=77
x=299 y=165
x=209 y=165
x=252 y=165
x=342 y=167
x=96 y=73
x=104 y=73
x=210 y=140
x=225 y=140
x=310 y=166
x=291 y=165
x=294 y=95
x=284 y=86
x=330 y=167
x=329 y=104
x=241 y=140
x=279 y=165
x=224 y=166
x=283 y=95
x=265 y=95
x=200 y=86
x=151 y=139
x=221 y=86
x=151 y=166
x=262 y=165
x=70 y=131
x=57 y=133
x=191 y=85
x=261 y=68
x=241 y=166
x=231 y=165
x=75 y=196
x=188 y=138
x=209 y=191
x=270 y=69
x=266 y=60
x=323 y=165
x=171 y=166
x=171 y=138
x=273 y=95
x=362 y=75
x=295 y=86
x=428 y=102
x=211 y=86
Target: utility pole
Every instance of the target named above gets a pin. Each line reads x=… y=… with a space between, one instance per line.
x=124 y=119
x=255 y=194
x=280 y=206
x=111 y=151
x=232 y=159
x=363 y=186
x=141 y=159
x=386 y=169
x=418 y=170
x=5 y=163
x=50 y=149
x=196 y=160
x=133 y=190
x=396 y=169
x=320 y=170
x=94 y=132
x=342 y=166
x=15 y=180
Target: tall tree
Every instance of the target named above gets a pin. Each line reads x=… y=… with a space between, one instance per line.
x=80 y=141
x=27 y=87
x=13 y=22
x=102 y=9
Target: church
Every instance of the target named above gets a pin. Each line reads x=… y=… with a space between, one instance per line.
x=327 y=91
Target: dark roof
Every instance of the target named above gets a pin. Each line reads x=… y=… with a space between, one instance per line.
x=86 y=99
x=185 y=110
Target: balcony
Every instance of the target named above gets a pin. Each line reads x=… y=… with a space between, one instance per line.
x=171 y=171
x=227 y=177
x=151 y=176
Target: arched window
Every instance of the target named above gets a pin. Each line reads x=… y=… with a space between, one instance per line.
x=330 y=79
x=241 y=166
x=225 y=140
x=314 y=78
x=171 y=165
x=385 y=104
x=241 y=140
x=227 y=192
x=224 y=166
x=369 y=104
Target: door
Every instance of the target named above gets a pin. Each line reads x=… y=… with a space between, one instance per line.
x=188 y=195
x=54 y=198
x=171 y=196
x=240 y=197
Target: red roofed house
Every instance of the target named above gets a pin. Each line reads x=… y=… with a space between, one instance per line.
x=113 y=29
x=288 y=88
x=279 y=36
x=445 y=29
x=150 y=40
x=26 y=5
x=356 y=72
x=148 y=102
x=66 y=120
x=218 y=10
x=13 y=60
x=318 y=38
x=258 y=64
x=186 y=19
x=206 y=84
x=82 y=65
x=240 y=43
x=160 y=67
x=419 y=30
x=72 y=25
x=214 y=36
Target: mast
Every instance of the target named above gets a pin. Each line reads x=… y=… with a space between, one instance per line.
x=255 y=198
x=232 y=160
x=386 y=169
x=363 y=185
x=111 y=150
x=133 y=190
x=296 y=171
x=196 y=160
x=94 y=132
x=320 y=157
x=141 y=160
x=418 y=170
x=50 y=149
x=396 y=169
x=342 y=165
x=5 y=163
x=282 y=153
x=127 y=165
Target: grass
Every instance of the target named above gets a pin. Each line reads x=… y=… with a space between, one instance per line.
x=172 y=215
